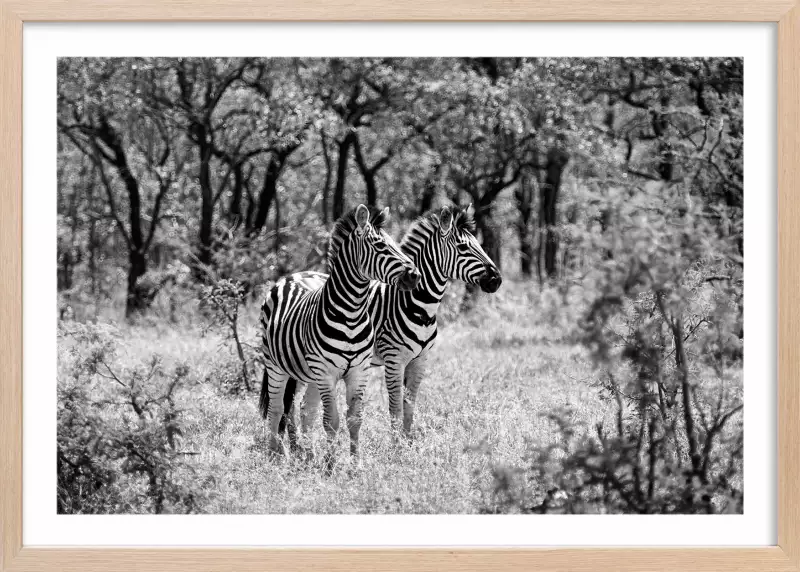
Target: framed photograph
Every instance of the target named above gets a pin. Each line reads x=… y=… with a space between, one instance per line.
x=384 y=287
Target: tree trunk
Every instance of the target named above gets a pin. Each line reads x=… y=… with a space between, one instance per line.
x=366 y=172
x=606 y=222
x=369 y=173
x=235 y=206
x=67 y=260
x=207 y=196
x=372 y=190
x=429 y=190
x=568 y=256
x=666 y=161
x=71 y=256
x=327 y=186
x=251 y=205
x=277 y=245
x=136 y=299
x=268 y=191
x=64 y=274
x=92 y=239
x=136 y=250
x=524 y=197
x=93 y=254
x=557 y=160
x=341 y=175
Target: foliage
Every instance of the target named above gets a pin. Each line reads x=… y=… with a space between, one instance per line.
x=119 y=433
x=225 y=298
x=188 y=185
x=252 y=156
x=664 y=332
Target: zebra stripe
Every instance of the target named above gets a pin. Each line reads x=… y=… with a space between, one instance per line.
x=444 y=248
x=317 y=328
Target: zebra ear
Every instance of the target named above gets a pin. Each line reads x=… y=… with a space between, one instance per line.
x=385 y=215
x=445 y=221
x=362 y=216
x=470 y=211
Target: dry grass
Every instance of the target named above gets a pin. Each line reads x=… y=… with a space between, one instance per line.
x=494 y=374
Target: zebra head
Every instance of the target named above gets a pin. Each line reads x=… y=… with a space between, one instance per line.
x=375 y=256
x=462 y=257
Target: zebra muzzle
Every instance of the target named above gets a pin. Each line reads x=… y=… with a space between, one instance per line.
x=409 y=280
x=491 y=280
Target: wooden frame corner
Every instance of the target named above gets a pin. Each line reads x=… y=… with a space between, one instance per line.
x=785 y=556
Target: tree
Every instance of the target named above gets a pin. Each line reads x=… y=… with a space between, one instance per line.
x=129 y=145
x=677 y=121
x=189 y=91
x=523 y=195
x=375 y=108
x=285 y=114
x=559 y=136
x=557 y=159
x=348 y=101
x=486 y=144
x=406 y=109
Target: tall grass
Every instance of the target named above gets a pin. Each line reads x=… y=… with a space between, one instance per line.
x=496 y=375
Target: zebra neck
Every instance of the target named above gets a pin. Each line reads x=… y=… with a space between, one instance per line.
x=425 y=299
x=344 y=297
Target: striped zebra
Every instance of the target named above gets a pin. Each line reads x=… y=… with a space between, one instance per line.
x=444 y=248
x=316 y=329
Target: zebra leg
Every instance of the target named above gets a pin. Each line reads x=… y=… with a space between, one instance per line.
x=394 y=384
x=276 y=385
x=356 y=382
x=310 y=407
x=330 y=419
x=287 y=423
x=415 y=372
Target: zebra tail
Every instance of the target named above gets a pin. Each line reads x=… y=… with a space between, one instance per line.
x=266 y=312
x=263 y=400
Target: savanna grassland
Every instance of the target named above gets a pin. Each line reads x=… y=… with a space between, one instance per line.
x=605 y=376
x=495 y=375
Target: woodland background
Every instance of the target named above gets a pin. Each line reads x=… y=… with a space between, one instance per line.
x=604 y=376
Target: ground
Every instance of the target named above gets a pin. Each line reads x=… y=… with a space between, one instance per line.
x=495 y=374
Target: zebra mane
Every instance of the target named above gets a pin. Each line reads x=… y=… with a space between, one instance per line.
x=421 y=228
x=346 y=225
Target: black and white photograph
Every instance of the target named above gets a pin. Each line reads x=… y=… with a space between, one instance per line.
x=451 y=285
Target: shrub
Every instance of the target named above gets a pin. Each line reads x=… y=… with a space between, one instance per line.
x=224 y=298
x=663 y=326
x=118 y=431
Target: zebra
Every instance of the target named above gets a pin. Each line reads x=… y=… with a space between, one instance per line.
x=316 y=328
x=444 y=248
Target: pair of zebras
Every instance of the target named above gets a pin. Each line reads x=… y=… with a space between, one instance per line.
x=379 y=296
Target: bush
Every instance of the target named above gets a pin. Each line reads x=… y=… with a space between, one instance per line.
x=632 y=471
x=118 y=431
x=225 y=375
x=663 y=326
x=224 y=299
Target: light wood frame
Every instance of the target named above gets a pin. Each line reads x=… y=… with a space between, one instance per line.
x=16 y=557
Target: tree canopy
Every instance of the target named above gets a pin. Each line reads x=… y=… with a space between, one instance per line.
x=189 y=159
